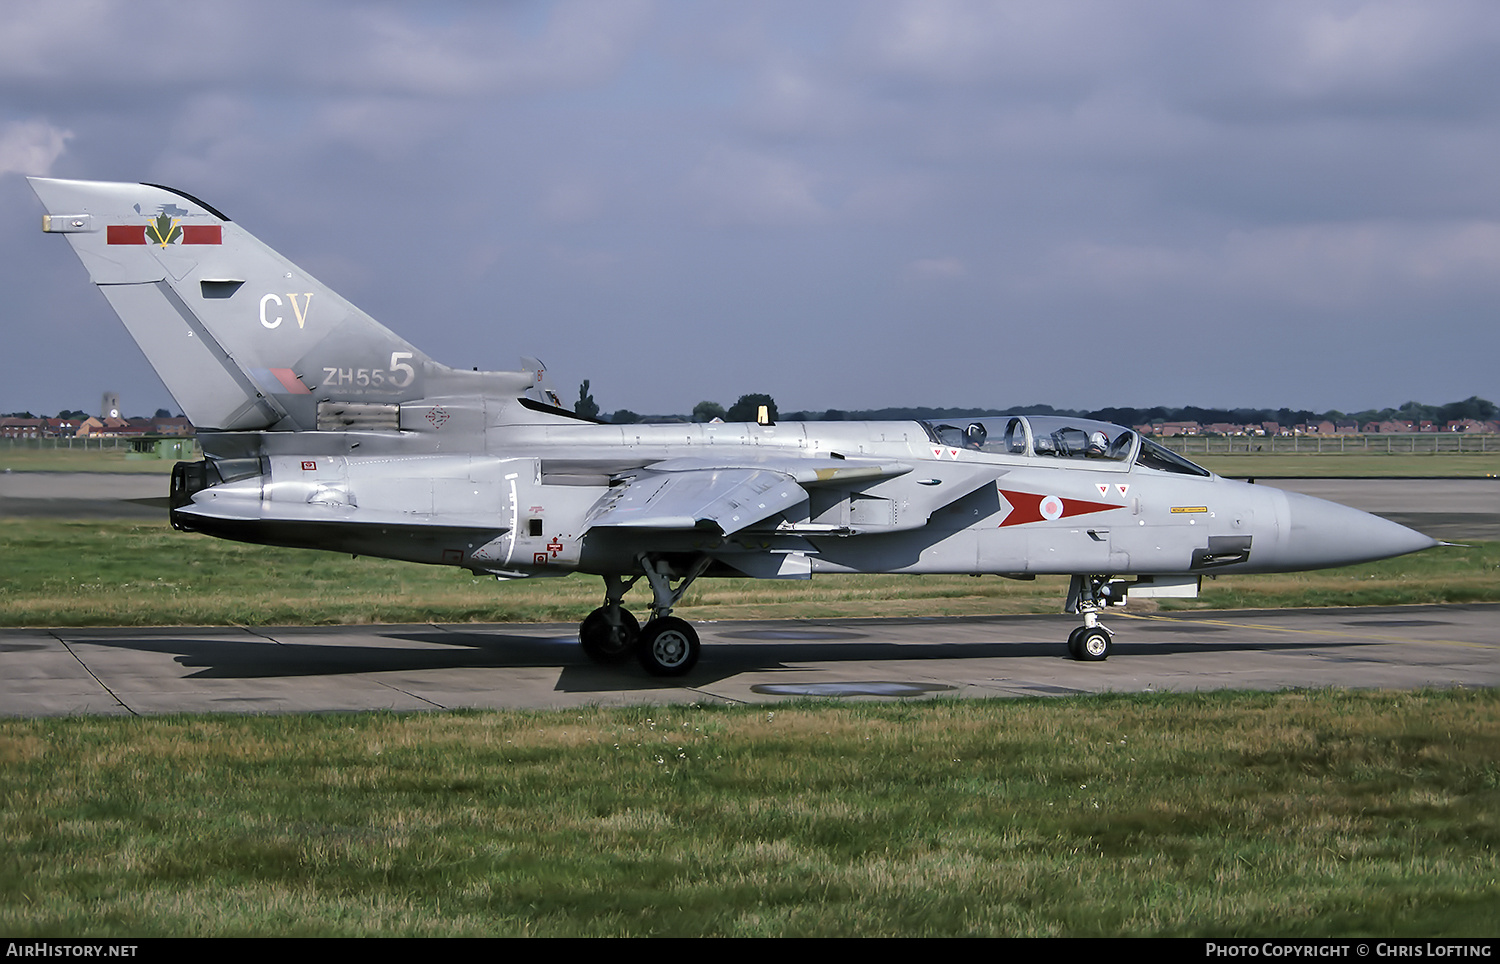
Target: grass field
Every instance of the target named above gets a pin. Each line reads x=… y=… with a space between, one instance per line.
x=1329 y=465
x=22 y=459
x=1309 y=814
x=93 y=573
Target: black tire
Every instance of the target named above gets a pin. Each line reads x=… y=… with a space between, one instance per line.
x=605 y=643
x=668 y=647
x=1094 y=645
x=1073 y=649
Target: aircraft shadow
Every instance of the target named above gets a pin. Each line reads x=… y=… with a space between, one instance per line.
x=221 y=658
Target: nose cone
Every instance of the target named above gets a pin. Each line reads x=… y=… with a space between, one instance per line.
x=1321 y=534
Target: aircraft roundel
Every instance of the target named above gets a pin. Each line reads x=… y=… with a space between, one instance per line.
x=1030 y=507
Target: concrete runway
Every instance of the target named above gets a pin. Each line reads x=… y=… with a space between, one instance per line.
x=51 y=672
x=85 y=495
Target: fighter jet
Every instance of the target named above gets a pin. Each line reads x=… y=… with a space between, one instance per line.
x=323 y=429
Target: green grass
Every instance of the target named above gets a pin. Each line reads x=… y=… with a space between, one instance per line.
x=120 y=573
x=1453 y=574
x=1305 y=813
x=1361 y=465
x=15 y=458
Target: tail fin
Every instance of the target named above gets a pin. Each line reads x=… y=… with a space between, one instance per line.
x=241 y=337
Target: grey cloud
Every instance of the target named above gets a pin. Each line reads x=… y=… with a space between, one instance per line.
x=436 y=50
x=875 y=203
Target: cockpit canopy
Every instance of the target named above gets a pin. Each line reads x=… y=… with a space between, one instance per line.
x=1059 y=437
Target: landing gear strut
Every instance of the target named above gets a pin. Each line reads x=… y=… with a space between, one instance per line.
x=1088 y=595
x=666 y=645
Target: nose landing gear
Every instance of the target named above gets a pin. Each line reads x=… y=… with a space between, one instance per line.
x=1088 y=595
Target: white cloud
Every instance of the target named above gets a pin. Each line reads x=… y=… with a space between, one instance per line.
x=30 y=147
x=962 y=40
x=437 y=50
x=743 y=187
x=581 y=42
x=1374 y=43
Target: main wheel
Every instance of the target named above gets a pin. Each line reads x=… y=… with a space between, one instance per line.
x=1094 y=644
x=607 y=643
x=669 y=647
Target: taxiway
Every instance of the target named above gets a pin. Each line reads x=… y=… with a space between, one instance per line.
x=52 y=672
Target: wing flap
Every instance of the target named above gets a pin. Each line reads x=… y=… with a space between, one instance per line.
x=802 y=471
x=725 y=500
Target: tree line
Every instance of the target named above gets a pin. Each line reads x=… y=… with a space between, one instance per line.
x=745 y=408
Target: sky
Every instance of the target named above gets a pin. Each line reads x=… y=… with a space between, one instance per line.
x=843 y=204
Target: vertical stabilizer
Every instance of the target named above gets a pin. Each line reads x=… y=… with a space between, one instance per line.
x=241 y=337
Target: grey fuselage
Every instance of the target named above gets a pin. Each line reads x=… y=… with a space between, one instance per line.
x=456 y=471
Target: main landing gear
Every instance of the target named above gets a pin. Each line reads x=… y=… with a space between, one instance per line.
x=666 y=645
x=1088 y=595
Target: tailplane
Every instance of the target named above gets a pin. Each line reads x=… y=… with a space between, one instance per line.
x=241 y=337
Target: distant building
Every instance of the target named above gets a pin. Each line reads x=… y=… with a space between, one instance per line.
x=114 y=427
x=176 y=426
x=20 y=428
x=109 y=426
x=37 y=427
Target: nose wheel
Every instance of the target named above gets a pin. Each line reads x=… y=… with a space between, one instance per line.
x=1090 y=644
x=1088 y=595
